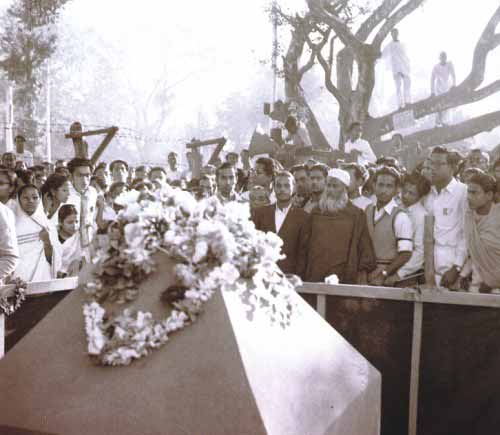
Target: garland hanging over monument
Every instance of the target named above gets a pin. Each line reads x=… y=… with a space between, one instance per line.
x=215 y=247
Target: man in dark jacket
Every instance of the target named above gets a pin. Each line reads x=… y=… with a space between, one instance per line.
x=284 y=220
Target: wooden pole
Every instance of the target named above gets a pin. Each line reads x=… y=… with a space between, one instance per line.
x=2 y=335
x=48 y=114
x=418 y=308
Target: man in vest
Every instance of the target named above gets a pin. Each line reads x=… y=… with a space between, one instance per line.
x=390 y=228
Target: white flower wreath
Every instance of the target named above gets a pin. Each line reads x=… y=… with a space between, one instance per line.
x=216 y=248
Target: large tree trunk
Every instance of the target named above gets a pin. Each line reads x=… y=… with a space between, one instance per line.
x=293 y=91
x=358 y=100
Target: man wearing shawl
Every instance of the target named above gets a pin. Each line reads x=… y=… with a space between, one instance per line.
x=336 y=238
x=482 y=231
x=39 y=247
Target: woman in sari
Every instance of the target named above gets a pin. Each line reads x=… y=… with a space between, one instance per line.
x=482 y=231
x=55 y=192
x=69 y=237
x=39 y=247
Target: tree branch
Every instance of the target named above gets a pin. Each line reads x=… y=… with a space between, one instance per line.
x=488 y=41
x=307 y=66
x=465 y=92
x=393 y=20
x=378 y=15
x=336 y=24
x=328 y=74
x=445 y=135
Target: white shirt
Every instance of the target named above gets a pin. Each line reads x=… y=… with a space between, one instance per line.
x=362 y=202
x=417 y=215
x=361 y=145
x=9 y=251
x=448 y=208
x=443 y=77
x=25 y=157
x=403 y=228
x=395 y=53
x=86 y=206
x=280 y=216
x=174 y=175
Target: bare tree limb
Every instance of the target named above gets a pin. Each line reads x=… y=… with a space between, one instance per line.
x=307 y=66
x=448 y=134
x=496 y=40
x=393 y=20
x=336 y=24
x=466 y=92
x=328 y=74
x=487 y=42
x=378 y=15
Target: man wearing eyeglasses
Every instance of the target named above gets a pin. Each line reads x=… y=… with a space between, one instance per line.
x=447 y=203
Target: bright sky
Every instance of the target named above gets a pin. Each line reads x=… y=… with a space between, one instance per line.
x=216 y=47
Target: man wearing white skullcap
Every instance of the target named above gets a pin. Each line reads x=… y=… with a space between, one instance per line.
x=338 y=241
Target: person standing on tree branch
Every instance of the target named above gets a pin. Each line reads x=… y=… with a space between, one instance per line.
x=395 y=53
x=442 y=80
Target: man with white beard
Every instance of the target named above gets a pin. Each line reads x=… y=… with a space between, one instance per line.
x=337 y=239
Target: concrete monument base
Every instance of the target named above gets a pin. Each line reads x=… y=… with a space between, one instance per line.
x=223 y=375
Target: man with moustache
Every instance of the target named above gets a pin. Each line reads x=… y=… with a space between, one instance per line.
x=482 y=232
x=390 y=228
x=337 y=239
x=447 y=203
x=284 y=220
x=317 y=175
x=303 y=185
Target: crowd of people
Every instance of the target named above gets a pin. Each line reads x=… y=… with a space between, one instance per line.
x=365 y=220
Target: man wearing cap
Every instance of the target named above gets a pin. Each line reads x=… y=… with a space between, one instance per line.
x=390 y=228
x=336 y=237
x=284 y=220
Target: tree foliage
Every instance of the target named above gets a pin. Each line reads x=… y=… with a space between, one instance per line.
x=27 y=40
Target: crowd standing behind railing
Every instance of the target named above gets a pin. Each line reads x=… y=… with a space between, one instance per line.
x=365 y=220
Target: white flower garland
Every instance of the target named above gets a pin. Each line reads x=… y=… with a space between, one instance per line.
x=9 y=308
x=217 y=248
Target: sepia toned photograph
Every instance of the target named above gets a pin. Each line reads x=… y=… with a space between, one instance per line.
x=247 y=217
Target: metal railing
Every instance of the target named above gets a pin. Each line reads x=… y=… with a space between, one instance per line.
x=417 y=297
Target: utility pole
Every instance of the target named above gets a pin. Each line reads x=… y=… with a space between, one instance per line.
x=47 y=116
x=9 y=115
x=274 y=55
x=275 y=47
